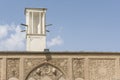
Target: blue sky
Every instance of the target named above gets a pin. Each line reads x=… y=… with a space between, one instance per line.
x=78 y=25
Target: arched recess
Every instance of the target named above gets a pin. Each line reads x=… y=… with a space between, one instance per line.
x=46 y=71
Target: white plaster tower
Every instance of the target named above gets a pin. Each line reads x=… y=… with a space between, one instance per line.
x=36 y=29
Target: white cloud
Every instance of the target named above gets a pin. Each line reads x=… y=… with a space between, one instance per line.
x=11 y=38
x=3 y=31
x=56 y=41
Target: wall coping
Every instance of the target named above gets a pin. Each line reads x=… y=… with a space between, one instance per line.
x=56 y=53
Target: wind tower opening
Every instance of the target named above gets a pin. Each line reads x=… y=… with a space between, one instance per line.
x=36 y=29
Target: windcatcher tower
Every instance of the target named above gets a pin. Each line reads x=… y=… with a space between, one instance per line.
x=36 y=29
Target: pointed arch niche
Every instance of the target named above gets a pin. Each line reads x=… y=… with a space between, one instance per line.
x=46 y=71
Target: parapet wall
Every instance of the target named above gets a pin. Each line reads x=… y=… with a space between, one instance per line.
x=59 y=66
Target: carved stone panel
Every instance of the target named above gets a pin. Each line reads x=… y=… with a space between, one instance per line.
x=78 y=68
x=101 y=69
x=13 y=68
x=46 y=72
x=61 y=63
x=0 y=68
x=30 y=63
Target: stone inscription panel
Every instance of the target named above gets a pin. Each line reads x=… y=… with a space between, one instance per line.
x=78 y=68
x=101 y=69
x=13 y=68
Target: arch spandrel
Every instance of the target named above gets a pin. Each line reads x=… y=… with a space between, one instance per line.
x=32 y=63
x=46 y=71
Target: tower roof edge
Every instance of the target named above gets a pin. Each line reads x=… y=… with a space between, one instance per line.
x=38 y=9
